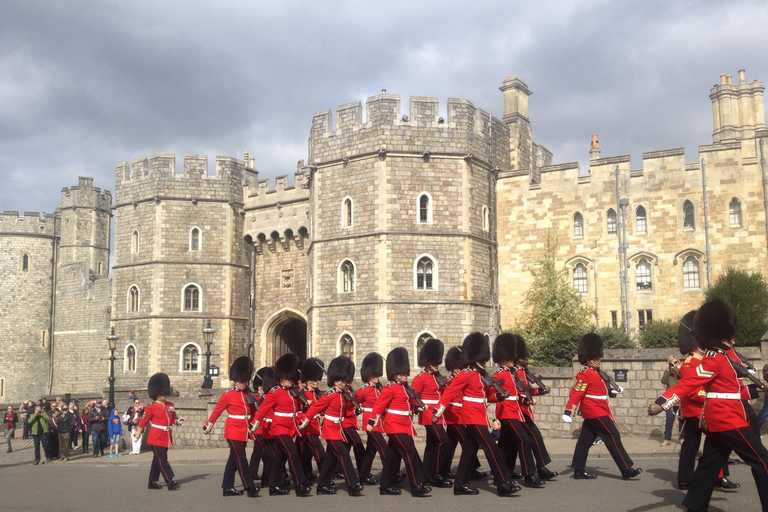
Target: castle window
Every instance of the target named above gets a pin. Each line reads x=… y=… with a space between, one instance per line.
x=688 y=221
x=612 y=221
x=195 y=242
x=643 y=316
x=190 y=358
x=643 y=275
x=101 y=268
x=133 y=299
x=691 y=272
x=580 y=278
x=578 y=225
x=347 y=276
x=347 y=213
x=486 y=219
x=420 y=341
x=135 y=242
x=25 y=262
x=425 y=208
x=614 y=319
x=641 y=220
x=191 y=298
x=425 y=274
x=130 y=359
x=347 y=347
x=734 y=210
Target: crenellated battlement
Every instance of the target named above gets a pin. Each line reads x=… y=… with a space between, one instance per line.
x=262 y=195
x=31 y=223
x=85 y=195
x=465 y=130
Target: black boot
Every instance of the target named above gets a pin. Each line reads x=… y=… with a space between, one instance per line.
x=439 y=481
x=580 y=474
x=463 y=490
x=356 y=489
x=231 y=492
x=278 y=491
x=515 y=475
x=369 y=480
x=508 y=489
x=154 y=485
x=399 y=479
x=173 y=485
x=389 y=491
x=253 y=492
x=325 y=490
x=303 y=490
x=546 y=474
x=724 y=483
x=532 y=481
x=480 y=475
x=421 y=491
x=630 y=473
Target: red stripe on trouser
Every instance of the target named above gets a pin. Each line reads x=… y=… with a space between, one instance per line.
x=341 y=460
x=614 y=443
x=753 y=450
x=382 y=451
x=439 y=444
x=239 y=464
x=290 y=460
x=410 y=464
x=317 y=452
x=522 y=448
x=160 y=463
x=535 y=439
x=490 y=450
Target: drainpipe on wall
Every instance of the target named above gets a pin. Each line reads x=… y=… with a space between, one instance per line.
x=706 y=219
x=594 y=280
x=492 y=254
x=251 y=295
x=623 y=203
x=622 y=263
x=52 y=309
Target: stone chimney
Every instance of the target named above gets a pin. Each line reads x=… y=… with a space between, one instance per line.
x=738 y=110
x=516 y=94
x=594 y=151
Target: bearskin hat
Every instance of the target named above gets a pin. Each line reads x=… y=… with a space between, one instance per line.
x=454 y=359
x=715 y=322
x=159 y=385
x=398 y=363
x=258 y=377
x=268 y=380
x=287 y=367
x=522 y=348
x=504 y=348
x=590 y=347
x=373 y=366
x=241 y=369
x=686 y=341
x=340 y=368
x=431 y=353
x=476 y=348
x=312 y=369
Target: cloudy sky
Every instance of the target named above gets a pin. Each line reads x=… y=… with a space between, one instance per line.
x=87 y=85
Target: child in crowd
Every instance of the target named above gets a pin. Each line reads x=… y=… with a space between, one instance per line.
x=115 y=429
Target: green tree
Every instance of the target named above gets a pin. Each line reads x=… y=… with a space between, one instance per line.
x=659 y=334
x=613 y=337
x=748 y=294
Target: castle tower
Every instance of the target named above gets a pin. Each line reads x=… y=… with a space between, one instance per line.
x=738 y=109
x=516 y=94
x=180 y=259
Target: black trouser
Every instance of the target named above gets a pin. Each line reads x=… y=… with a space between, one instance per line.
x=479 y=437
x=539 y=448
x=53 y=444
x=39 y=439
x=515 y=438
x=311 y=446
x=237 y=462
x=605 y=427
x=456 y=434
x=691 y=442
x=286 y=450
x=401 y=447
x=256 y=455
x=353 y=439
x=717 y=449
x=270 y=455
x=86 y=441
x=160 y=465
x=436 y=449
x=376 y=444
x=751 y=417
x=337 y=453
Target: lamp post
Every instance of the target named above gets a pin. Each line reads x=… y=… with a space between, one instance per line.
x=112 y=340
x=208 y=333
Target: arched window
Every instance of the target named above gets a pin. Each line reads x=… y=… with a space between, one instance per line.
x=691 y=272
x=420 y=341
x=486 y=219
x=688 y=221
x=191 y=298
x=347 y=217
x=425 y=274
x=25 y=262
x=133 y=299
x=734 y=210
x=641 y=220
x=135 y=242
x=580 y=278
x=611 y=221
x=190 y=358
x=347 y=346
x=130 y=359
x=578 y=225
x=425 y=208
x=643 y=275
x=194 y=239
x=347 y=271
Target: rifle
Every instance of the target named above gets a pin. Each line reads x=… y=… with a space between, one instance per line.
x=611 y=384
x=522 y=386
x=413 y=396
x=538 y=380
x=439 y=379
x=744 y=373
x=349 y=396
x=489 y=382
x=295 y=393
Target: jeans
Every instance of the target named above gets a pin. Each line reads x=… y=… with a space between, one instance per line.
x=671 y=415
x=763 y=414
x=8 y=436
x=38 y=439
x=100 y=440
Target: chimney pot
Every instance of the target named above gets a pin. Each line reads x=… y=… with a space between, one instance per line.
x=595 y=142
x=742 y=76
x=730 y=79
x=722 y=79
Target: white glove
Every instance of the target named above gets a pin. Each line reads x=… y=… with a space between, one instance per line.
x=180 y=421
x=567 y=418
x=254 y=426
x=207 y=428
x=621 y=390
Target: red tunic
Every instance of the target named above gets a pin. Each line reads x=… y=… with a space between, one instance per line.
x=239 y=414
x=452 y=413
x=425 y=385
x=284 y=408
x=508 y=409
x=314 y=423
x=475 y=397
x=527 y=408
x=591 y=391
x=333 y=405
x=690 y=404
x=366 y=397
x=393 y=409
x=162 y=415
x=350 y=418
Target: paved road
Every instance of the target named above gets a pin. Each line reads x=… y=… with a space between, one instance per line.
x=68 y=486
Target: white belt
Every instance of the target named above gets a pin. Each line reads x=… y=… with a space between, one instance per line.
x=161 y=427
x=268 y=420
x=239 y=417
x=334 y=419
x=368 y=409
x=727 y=396
x=285 y=414
x=597 y=397
x=401 y=413
x=511 y=398
x=431 y=402
x=473 y=399
x=456 y=404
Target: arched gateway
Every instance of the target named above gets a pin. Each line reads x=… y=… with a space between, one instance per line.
x=285 y=332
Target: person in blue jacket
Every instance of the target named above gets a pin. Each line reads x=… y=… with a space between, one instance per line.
x=115 y=430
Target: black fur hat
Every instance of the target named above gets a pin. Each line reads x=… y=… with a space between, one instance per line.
x=268 y=380
x=504 y=348
x=476 y=348
x=312 y=369
x=686 y=341
x=340 y=368
x=431 y=353
x=590 y=347
x=241 y=369
x=398 y=363
x=258 y=377
x=522 y=348
x=715 y=322
x=159 y=385
x=287 y=367
x=373 y=366
x=454 y=359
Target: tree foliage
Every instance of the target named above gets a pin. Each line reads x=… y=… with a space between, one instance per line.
x=659 y=334
x=613 y=337
x=748 y=294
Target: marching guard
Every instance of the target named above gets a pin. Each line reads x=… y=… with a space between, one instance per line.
x=240 y=406
x=257 y=455
x=161 y=416
x=311 y=373
x=370 y=372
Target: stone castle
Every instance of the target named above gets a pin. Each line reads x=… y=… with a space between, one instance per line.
x=397 y=228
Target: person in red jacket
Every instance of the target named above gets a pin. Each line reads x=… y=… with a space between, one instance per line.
x=240 y=406
x=310 y=445
x=590 y=394
x=264 y=431
x=258 y=439
x=474 y=383
x=162 y=416
x=715 y=327
x=334 y=403
x=281 y=401
x=370 y=372
x=393 y=409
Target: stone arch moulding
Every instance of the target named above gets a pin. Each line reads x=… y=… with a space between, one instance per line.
x=125 y=358
x=181 y=358
x=652 y=258
x=340 y=276
x=435 y=272
x=416 y=345
x=271 y=326
x=354 y=346
x=683 y=255
x=572 y=262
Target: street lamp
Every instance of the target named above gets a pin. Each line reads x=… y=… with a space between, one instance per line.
x=112 y=340
x=208 y=333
